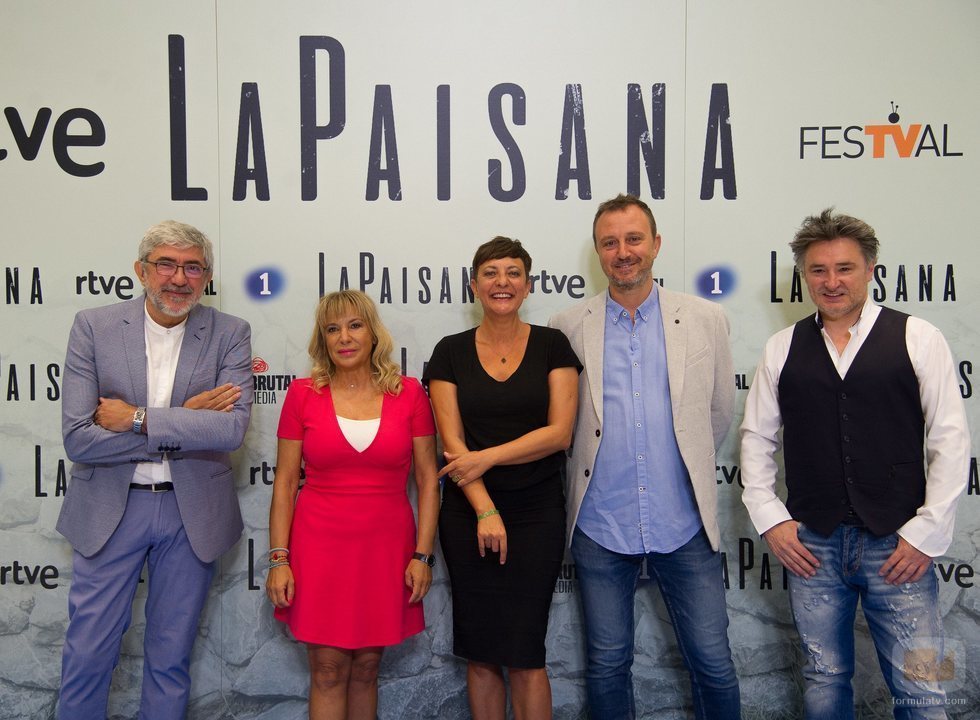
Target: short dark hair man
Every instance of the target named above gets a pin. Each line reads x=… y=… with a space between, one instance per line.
x=876 y=451
x=157 y=393
x=656 y=399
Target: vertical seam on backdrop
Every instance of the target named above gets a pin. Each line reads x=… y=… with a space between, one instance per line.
x=684 y=200
x=217 y=135
x=219 y=570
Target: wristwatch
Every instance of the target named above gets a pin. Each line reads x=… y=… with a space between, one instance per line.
x=138 y=417
x=429 y=560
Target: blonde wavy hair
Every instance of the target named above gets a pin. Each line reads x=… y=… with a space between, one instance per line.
x=385 y=373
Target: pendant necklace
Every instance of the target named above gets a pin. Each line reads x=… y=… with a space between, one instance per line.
x=503 y=358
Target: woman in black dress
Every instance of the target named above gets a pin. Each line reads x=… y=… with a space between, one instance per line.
x=505 y=395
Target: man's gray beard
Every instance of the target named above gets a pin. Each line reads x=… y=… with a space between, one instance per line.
x=157 y=299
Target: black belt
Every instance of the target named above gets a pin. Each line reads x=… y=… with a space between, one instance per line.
x=157 y=488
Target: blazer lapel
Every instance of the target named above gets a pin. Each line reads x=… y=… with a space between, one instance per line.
x=134 y=347
x=675 y=338
x=195 y=338
x=593 y=340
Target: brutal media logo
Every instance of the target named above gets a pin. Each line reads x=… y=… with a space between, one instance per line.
x=892 y=140
x=267 y=384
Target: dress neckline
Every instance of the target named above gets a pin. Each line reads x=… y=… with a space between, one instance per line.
x=515 y=368
x=336 y=422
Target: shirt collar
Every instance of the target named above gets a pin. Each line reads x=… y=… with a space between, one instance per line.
x=869 y=313
x=616 y=312
x=157 y=329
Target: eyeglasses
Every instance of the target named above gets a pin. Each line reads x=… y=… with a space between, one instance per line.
x=168 y=268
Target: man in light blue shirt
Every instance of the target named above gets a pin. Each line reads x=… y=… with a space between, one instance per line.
x=656 y=398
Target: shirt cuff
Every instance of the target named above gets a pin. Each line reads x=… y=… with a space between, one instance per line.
x=926 y=537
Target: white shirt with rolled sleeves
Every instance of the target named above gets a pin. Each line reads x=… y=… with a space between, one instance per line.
x=947 y=449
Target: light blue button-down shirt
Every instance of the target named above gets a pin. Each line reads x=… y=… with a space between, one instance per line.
x=640 y=498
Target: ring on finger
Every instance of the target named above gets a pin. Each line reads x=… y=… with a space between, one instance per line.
x=456 y=478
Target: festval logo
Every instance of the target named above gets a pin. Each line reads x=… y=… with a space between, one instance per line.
x=893 y=139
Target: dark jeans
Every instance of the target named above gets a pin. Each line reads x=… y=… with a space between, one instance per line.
x=690 y=580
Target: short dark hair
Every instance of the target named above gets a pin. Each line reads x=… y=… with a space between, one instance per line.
x=827 y=226
x=497 y=249
x=619 y=203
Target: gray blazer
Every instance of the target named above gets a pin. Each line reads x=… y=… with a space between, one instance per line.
x=107 y=357
x=702 y=392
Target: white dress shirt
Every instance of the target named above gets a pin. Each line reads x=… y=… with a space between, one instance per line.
x=947 y=435
x=162 y=353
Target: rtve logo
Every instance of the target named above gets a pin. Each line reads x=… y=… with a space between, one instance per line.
x=833 y=142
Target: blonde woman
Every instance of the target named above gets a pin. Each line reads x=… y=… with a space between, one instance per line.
x=348 y=570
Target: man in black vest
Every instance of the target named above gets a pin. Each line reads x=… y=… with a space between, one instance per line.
x=876 y=451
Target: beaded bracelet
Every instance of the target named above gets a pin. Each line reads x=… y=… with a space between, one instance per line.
x=279 y=564
x=488 y=513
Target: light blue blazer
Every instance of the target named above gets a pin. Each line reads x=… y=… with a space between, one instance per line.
x=107 y=357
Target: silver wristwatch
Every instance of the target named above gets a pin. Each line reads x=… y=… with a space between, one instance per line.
x=138 y=417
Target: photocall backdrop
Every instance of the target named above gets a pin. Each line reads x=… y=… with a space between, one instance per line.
x=325 y=145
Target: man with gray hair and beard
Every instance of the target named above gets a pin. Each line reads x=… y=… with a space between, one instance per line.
x=876 y=451
x=157 y=394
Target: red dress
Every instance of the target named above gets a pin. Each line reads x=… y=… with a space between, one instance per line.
x=353 y=531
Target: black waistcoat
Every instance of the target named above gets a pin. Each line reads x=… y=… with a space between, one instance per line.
x=855 y=441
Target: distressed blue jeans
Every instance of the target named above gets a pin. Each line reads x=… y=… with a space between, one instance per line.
x=690 y=579
x=904 y=621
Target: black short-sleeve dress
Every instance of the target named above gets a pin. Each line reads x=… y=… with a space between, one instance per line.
x=500 y=612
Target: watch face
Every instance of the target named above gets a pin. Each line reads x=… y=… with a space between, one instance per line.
x=429 y=560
